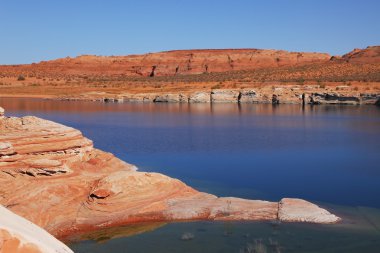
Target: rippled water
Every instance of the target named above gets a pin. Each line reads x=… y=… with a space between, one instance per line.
x=326 y=154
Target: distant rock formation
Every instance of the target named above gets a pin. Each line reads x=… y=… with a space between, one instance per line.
x=186 y=62
x=367 y=55
x=177 y=62
x=51 y=175
x=199 y=76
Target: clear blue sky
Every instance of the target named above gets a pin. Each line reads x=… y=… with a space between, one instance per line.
x=31 y=31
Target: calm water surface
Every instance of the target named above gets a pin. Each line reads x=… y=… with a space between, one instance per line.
x=326 y=154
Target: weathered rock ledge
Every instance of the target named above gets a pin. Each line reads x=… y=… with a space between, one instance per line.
x=282 y=94
x=51 y=175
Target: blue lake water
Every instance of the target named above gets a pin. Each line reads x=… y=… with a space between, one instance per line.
x=326 y=154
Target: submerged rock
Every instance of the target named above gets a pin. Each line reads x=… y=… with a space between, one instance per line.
x=298 y=210
x=187 y=236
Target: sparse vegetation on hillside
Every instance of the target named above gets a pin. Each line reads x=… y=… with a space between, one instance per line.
x=55 y=78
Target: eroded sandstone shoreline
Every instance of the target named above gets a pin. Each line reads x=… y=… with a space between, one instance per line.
x=53 y=176
x=281 y=94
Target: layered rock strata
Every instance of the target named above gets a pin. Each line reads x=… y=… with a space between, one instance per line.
x=185 y=62
x=53 y=176
x=171 y=63
x=311 y=94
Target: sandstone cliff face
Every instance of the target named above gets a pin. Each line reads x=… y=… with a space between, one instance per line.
x=175 y=62
x=52 y=175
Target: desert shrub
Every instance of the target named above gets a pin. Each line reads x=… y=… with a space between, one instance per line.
x=301 y=81
x=217 y=86
x=21 y=78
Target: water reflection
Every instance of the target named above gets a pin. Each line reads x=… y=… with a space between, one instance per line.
x=31 y=105
x=359 y=233
x=103 y=235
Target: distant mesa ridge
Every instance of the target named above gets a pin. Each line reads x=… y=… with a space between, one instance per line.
x=188 y=62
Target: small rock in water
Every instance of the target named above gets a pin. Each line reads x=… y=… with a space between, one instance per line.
x=256 y=247
x=275 y=223
x=187 y=236
x=227 y=233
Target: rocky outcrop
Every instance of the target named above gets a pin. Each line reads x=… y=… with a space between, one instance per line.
x=171 y=98
x=370 y=98
x=298 y=210
x=334 y=98
x=51 y=175
x=368 y=55
x=252 y=96
x=266 y=95
x=18 y=235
